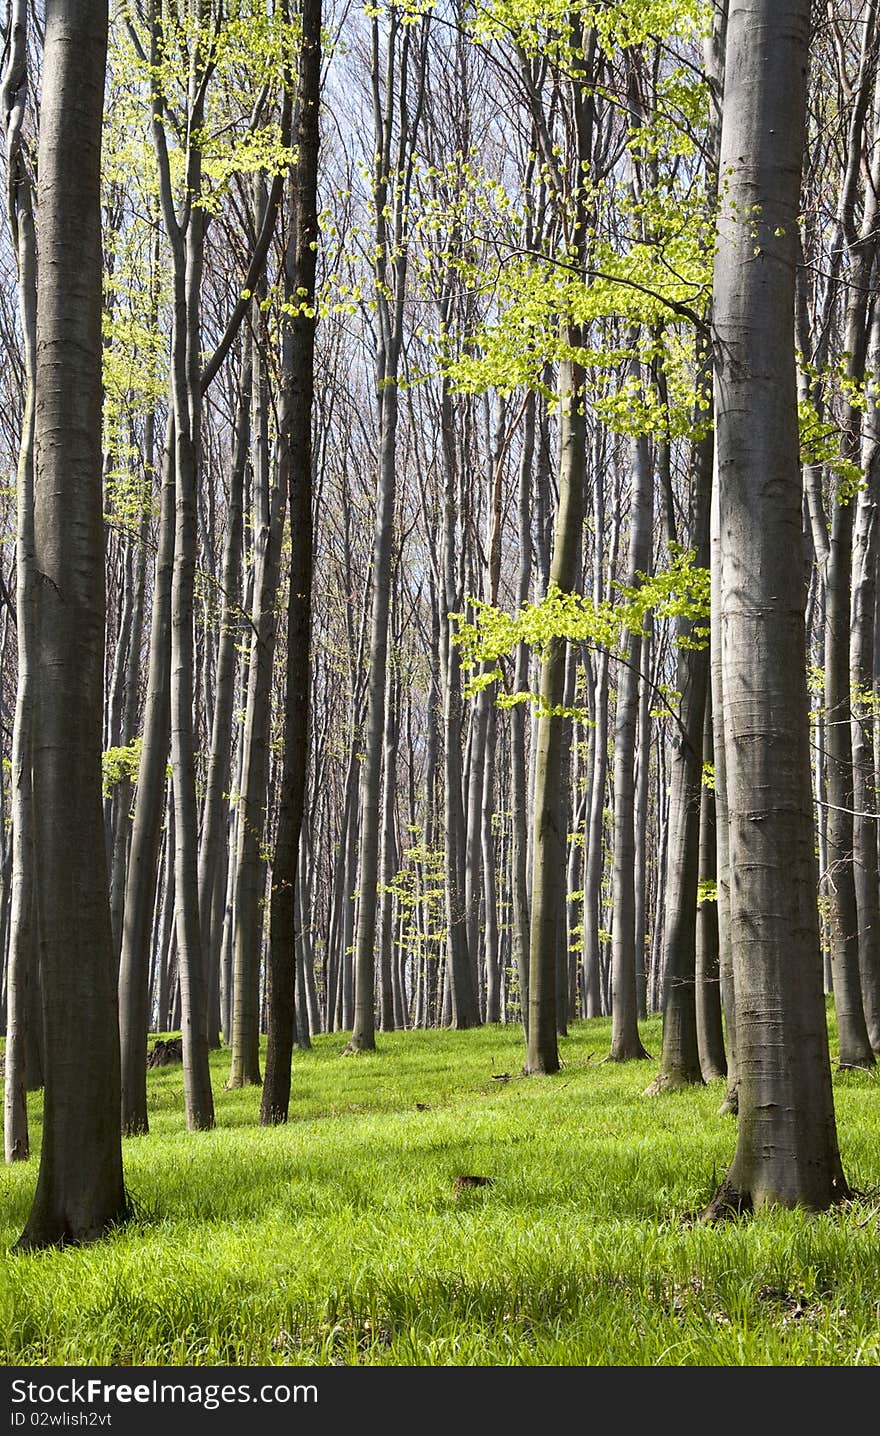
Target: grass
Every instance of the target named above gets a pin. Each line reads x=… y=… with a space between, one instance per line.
x=339 y=1239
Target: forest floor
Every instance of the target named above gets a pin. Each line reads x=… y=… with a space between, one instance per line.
x=344 y=1238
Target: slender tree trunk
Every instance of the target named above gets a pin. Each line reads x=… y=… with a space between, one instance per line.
x=270 y=505
x=459 y=985
x=710 y=1028
x=548 y=854
x=864 y=695
x=388 y=868
x=640 y=818
x=853 y=1039
x=187 y=247
x=680 y=1056
x=518 y=770
x=215 y=814
x=625 y=1041
x=146 y=833
x=289 y=920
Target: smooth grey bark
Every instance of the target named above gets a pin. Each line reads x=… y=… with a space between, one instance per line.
x=864 y=693
x=146 y=832
x=186 y=239
x=853 y=1040
x=549 y=809
x=288 y=967
x=496 y=446
x=680 y=1055
x=215 y=812
x=459 y=990
x=388 y=868
x=786 y=1149
x=725 y=951
x=123 y=793
x=595 y=840
x=21 y=971
x=550 y=799
x=641 y=870
x=710 y=1027
x=80 y=1189
x=490 y=885
x=308 y=1006
x=392 y=181
x=518 y=771
x=625 y=1041
x=270 y=507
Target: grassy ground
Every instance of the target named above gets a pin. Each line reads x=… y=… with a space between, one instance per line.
x=339 y=1239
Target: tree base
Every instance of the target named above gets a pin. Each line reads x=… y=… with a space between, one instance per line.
x=54 y=1231
x=726 y=1204
x=243 y=1081
x=729 y=1202
x=631 y=1053
x=541 y=1069
x=672 y=1082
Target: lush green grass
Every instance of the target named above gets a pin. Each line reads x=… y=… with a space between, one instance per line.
x=339 y=1239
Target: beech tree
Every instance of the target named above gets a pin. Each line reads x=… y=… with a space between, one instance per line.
x=80 y=1190
x=786 y=1137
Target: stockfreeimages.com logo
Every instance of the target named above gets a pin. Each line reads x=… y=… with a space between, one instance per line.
x=149 y=1393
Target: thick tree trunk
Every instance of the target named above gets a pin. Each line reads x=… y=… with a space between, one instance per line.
x=786 y=1139
x=80 y=1191
x=21 y=968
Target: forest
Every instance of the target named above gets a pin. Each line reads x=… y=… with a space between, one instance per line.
x=439 y=602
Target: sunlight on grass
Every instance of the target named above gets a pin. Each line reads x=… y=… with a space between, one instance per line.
x=340 y=1238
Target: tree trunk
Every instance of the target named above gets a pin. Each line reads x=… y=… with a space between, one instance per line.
x=22 y=953
x=146 y=832
x=710 y=1029
x=550 y=809
x=787 y=1149
x=680 y=1055
x=518 y=770
x=80 y=1192
x=459 y=985
x=864 y=695
x=625 y=1041
x=215 y=814
x=187 y=247
x=270 y=505
x=288 y=919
